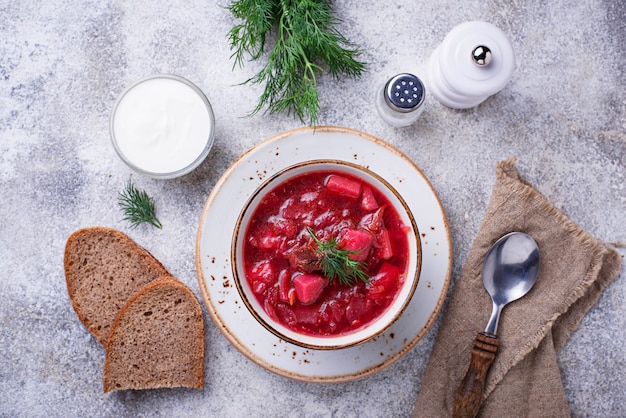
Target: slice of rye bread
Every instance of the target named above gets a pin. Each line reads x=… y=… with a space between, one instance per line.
x=156 y=340
x=103 y=269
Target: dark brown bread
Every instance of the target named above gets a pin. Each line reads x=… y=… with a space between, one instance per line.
x=103 y=269
x=156 y=340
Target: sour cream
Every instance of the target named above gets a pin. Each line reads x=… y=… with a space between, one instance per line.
x=162 y=126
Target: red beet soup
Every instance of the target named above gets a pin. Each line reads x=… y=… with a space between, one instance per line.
x=284 y=264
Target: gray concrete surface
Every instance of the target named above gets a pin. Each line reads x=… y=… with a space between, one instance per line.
x=62 y=65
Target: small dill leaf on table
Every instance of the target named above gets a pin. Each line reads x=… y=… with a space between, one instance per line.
x=137 y=206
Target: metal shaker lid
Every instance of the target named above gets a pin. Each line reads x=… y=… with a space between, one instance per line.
x=404 y=93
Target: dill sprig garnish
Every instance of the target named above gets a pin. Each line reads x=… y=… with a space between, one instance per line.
x=307 y=43
x=137 y=206
x=336 y=262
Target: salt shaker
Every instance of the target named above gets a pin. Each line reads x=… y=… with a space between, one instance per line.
x=474 y=61
x=400 y=100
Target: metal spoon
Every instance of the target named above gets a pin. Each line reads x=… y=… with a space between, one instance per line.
x=509 y=271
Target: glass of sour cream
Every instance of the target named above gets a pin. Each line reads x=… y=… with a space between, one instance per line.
x=162 y=126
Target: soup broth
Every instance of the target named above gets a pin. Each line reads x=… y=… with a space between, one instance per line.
x=283 y=265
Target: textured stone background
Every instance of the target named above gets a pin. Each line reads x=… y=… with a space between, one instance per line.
x=62 y=65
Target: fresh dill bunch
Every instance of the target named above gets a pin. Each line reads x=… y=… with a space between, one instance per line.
x=137 y=206
x=336 y=263
x=307 y=43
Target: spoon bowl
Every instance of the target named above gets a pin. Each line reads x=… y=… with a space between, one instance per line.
x=509 y=272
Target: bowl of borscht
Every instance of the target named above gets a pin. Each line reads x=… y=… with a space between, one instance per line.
x=326 y=254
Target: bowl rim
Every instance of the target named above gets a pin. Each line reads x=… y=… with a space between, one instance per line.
x=342 y=340
x=168 y=174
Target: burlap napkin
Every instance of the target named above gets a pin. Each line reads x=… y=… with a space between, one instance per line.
x=524 y=379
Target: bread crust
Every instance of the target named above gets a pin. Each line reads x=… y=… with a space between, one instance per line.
x=171 y=339
x=103 y=269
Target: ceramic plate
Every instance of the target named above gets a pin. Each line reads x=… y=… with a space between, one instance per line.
x=213 y=263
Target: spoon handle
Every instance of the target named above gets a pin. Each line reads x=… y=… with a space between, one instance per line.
x=469 y=395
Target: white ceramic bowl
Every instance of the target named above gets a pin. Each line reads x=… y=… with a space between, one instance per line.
x=365 y=333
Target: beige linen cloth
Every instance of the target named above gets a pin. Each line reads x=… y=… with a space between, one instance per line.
x=524 y=379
